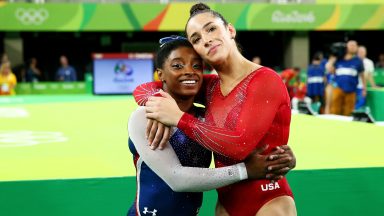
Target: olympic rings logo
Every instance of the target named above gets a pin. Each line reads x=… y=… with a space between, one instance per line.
x=31 y=16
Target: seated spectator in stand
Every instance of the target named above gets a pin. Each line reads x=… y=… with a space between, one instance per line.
x=287 y=75
x=7 y=79
x=380 y=62
x=66 y=73
x=33 y=73
x=316 y=79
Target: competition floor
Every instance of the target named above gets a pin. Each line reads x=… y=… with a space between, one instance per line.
x=68 y=156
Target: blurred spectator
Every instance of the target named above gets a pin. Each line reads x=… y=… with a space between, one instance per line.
x=299 y=91
x=256 y=60
x=7 y=79
x=288 y=76
x=66 y=73
x=380 y=62
x=33 y=74
x=329 y=82
x=4 y=58
x=369 y=69
x=346 y=70
x=316 y=79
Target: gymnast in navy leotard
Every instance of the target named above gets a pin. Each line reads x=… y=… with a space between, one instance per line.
x=170 y=181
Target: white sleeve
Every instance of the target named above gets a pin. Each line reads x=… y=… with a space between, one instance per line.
x=368 y=66
x=166 y=164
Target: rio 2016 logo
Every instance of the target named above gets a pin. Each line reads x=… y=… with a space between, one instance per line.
x=32 y=16
x=123 y=68
x=123 y=72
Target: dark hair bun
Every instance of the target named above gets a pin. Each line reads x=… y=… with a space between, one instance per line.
x=198 y=8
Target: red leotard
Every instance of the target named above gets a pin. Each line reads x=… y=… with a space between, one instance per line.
x=256 y=112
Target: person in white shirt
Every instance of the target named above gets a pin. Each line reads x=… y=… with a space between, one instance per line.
x=369 y=69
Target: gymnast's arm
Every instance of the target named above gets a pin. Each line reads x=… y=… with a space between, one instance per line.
x=166 y=164
x=143 y=91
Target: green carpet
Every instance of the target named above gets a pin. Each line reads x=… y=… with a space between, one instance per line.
x=339 y=192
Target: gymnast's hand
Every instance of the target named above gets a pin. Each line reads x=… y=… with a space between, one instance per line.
x=157 y=133
x=272 y=166
x=256 y=163
x=282 y=160
x=163 y=109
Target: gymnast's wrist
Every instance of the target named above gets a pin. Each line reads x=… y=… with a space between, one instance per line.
x=243 y=173
x=178 y=116
x=184 y=120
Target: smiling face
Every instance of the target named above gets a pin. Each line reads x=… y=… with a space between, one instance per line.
x=211 y=38
x=182 y=72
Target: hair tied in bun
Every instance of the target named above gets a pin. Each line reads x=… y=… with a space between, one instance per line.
x=199 y=7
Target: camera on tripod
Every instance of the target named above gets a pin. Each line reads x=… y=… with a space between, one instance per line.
x=338 y=50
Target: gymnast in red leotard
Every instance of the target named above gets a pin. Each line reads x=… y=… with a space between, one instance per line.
x=247 y=106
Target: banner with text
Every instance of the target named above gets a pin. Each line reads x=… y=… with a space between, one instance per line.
x=173 y=16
